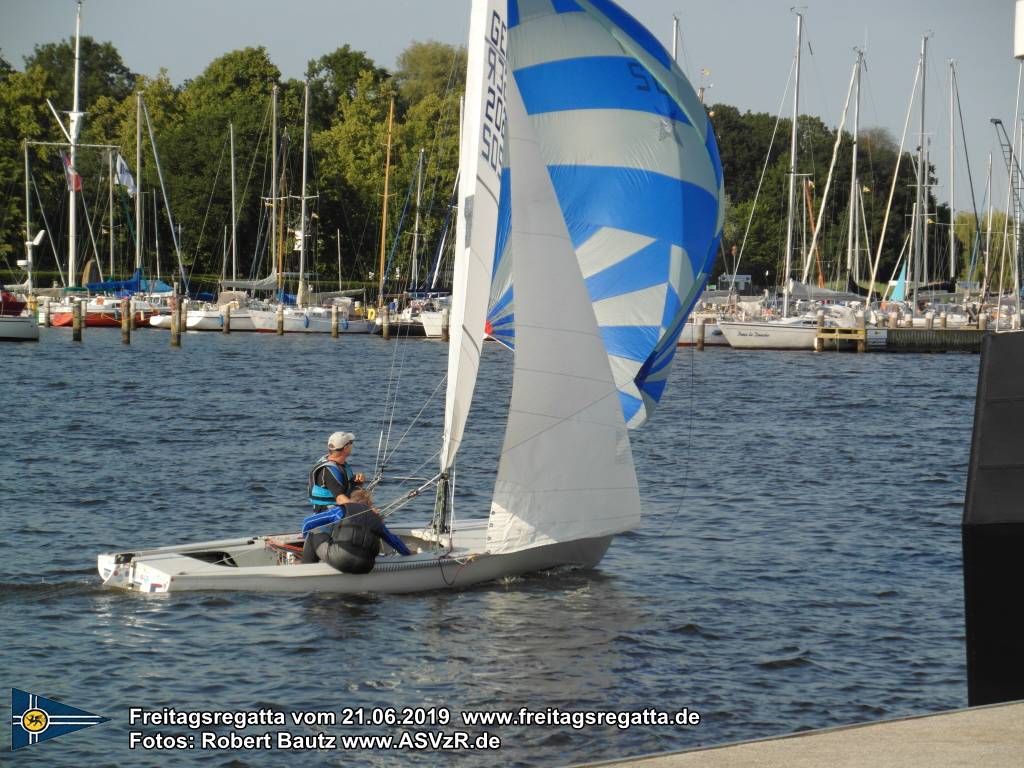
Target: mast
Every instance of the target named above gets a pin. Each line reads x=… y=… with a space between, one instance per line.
x=273 y=179
x=76 y=127
x=414 y=270
x=918 y=228
x=988 y=231
x=853 y=234
x=29 y=242
x=110 y=203
x=156 y=236
x=234 y=222
x=301 y=298
x=952 y=161
x=792 y=171
x=138 y=180
x=281 y=214
x=384 y=212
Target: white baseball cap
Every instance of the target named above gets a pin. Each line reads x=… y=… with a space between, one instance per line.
x=339 y=440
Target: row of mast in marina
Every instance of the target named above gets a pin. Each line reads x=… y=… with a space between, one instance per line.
x=275 y=201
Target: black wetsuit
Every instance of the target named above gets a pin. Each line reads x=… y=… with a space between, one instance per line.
x=352 y=544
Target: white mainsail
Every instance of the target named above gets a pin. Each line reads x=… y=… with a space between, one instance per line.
x=566 y=470
x=479 y=186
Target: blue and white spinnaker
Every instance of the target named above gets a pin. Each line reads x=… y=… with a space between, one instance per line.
x=632 y=157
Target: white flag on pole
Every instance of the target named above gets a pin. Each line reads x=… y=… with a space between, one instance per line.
x=124 y=176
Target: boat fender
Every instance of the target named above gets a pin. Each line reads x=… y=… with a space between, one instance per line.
x=371 y=314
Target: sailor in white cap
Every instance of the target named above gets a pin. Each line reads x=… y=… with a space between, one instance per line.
x=331 y=481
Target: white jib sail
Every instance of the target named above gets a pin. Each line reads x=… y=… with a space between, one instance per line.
x=566 y=470
x=479 y=188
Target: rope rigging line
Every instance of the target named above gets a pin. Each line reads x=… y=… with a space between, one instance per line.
x=209 y=204
x=764 y=170
x=416 y=418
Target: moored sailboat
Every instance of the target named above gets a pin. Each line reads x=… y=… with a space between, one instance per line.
x=559 y=198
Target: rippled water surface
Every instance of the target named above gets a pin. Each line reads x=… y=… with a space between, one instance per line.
x=798 y=565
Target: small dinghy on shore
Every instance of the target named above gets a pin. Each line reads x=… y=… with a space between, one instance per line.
x=558 y=222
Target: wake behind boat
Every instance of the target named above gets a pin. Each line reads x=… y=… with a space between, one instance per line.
x=558 y=227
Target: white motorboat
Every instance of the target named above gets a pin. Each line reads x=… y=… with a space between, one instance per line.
x=565 y=483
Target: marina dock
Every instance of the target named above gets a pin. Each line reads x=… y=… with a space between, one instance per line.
x=900 y=339
x=991 y=736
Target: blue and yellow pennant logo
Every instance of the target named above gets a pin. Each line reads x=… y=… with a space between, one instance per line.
x=36 y=718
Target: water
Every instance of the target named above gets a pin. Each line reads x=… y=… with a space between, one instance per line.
x=798 y=565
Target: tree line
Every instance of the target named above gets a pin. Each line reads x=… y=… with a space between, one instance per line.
x=350 y=100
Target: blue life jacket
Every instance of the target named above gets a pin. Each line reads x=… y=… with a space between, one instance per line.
x=321 y=497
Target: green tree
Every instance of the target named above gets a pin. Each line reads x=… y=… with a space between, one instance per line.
x=429 y=68
x=352 y=158
x=234 y=88
x=102 y=72
x=23 y=115
x=333 y=76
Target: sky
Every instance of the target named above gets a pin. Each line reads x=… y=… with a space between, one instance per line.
x=746 y=46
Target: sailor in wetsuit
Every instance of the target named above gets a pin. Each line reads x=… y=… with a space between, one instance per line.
x=331 y=481
x=352 y=544
x=333 y=487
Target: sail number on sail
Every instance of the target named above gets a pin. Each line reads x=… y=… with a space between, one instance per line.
x=492 y=127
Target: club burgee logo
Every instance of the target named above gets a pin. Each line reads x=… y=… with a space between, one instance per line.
x=36 y=718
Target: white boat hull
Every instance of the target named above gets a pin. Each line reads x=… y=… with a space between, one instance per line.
x=713 y=336
x=213 y=320
x=250 y=565
x=306 y=321
x=18 y=328
x=769 y=334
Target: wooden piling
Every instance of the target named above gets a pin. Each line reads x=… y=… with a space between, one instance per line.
x=983 y=321
x=943 y=320
x=862 y=332
x=893 y=320
x=334 y=321
x=226 y=318
x=385 y=323
x=280 y=319
x=701 y=329
x=445 y=324
x=46 y=312
x=929 y=321
x=126 y=321
x=176 y=325
x=76 y=320
x=819 y=343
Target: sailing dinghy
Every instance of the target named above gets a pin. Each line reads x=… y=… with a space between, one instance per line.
x=589 y=216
